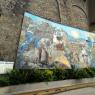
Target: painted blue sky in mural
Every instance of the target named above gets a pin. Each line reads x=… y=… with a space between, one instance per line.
x=72 y=32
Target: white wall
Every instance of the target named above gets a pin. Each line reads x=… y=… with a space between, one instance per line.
x=5 y=66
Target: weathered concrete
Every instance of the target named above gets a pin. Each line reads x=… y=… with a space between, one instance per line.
x=82 y=91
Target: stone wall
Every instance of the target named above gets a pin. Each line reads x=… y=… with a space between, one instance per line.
x=71 y=12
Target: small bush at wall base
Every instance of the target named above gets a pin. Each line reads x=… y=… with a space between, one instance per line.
x=22 y=76
x=4 y=80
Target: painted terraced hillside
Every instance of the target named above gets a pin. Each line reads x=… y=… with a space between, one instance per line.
x=46 y=44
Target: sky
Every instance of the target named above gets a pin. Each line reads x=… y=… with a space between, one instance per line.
x=73 y=32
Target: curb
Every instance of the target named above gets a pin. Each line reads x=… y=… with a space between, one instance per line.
x=56 y=90
x=47 y=88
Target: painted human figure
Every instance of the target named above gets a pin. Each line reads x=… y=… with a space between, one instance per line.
x=43 y=54
x=84 y=55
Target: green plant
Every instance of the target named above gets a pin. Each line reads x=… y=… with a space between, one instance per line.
x=4 y=80
x=47 y=75
x=20 y=76
x=58 y=74
x=70 y=73
x=29 y=76
x=82 y=73
x=90 y=72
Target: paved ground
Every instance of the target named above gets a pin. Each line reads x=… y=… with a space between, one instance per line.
x=83 y=91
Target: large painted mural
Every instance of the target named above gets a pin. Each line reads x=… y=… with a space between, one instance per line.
x=45 y=44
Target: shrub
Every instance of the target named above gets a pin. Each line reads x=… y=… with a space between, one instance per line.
x=70 y=73
x=58 y=74
x=90 y=72
x=20 y=76
x=81 y=73
x=4 y=80
x=47 y=75
x=29 y=76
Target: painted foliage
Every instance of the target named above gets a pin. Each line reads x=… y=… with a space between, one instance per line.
x=45 y=44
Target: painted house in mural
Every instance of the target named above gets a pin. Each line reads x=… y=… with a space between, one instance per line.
x=45 y=44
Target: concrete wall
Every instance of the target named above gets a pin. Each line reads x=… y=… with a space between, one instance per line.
x=71 y=12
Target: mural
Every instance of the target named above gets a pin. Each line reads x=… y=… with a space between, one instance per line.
x=45 y=44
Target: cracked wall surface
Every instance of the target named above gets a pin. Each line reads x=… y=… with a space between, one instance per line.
x=71 y=12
